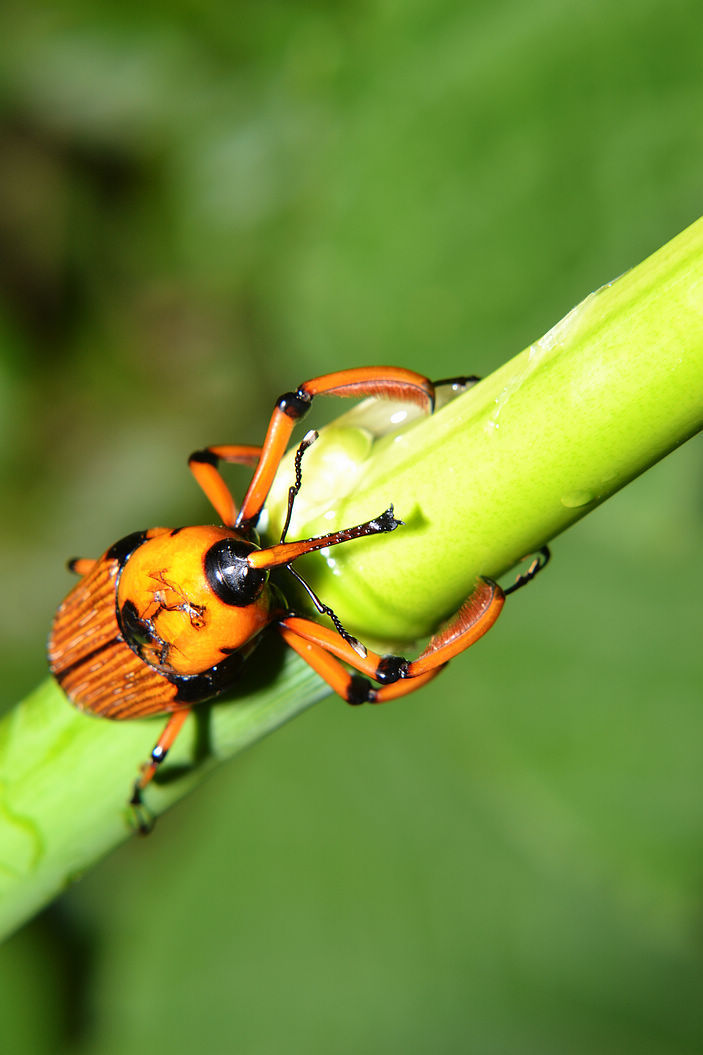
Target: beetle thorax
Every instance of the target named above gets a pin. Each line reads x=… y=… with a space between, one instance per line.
x=168 y=610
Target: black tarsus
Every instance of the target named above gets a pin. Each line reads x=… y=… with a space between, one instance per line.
x=541 y=560
x=459 y=384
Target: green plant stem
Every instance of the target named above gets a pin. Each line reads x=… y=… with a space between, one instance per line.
x=493 y=476
x=611 y=389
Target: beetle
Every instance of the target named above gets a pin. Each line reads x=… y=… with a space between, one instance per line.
x=164 y=619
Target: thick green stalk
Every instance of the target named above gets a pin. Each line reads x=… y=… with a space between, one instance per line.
x=611 y=389
x=494 y=475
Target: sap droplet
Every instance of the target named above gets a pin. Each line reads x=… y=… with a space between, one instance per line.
x=576 y=499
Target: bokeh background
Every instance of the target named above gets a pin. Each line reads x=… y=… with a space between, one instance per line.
x=202 y=204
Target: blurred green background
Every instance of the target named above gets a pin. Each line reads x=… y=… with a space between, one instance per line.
x=202 y=204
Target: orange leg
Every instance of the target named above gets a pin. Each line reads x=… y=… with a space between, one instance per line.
x=81 y=565
x=203 y=465
x=391 y=382
x=158 y=754
x=351 y=687
x=319 y=645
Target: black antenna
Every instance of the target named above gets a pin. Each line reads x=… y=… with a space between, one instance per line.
x=293 y=492
x=324 y=609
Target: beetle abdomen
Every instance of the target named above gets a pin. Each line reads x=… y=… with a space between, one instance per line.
x=88 y=656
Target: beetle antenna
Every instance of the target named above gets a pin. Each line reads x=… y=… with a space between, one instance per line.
x=294 y=490
x=324 y=609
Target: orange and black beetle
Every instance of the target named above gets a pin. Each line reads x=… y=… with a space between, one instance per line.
x=164 y=619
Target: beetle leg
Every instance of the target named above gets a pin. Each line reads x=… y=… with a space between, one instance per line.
x=81 y=565
x=540 y=560
x=204 y=467
x=322 y=648
x=389 y=381
x=458 y=384
x=158 y=754
x=354 y=688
